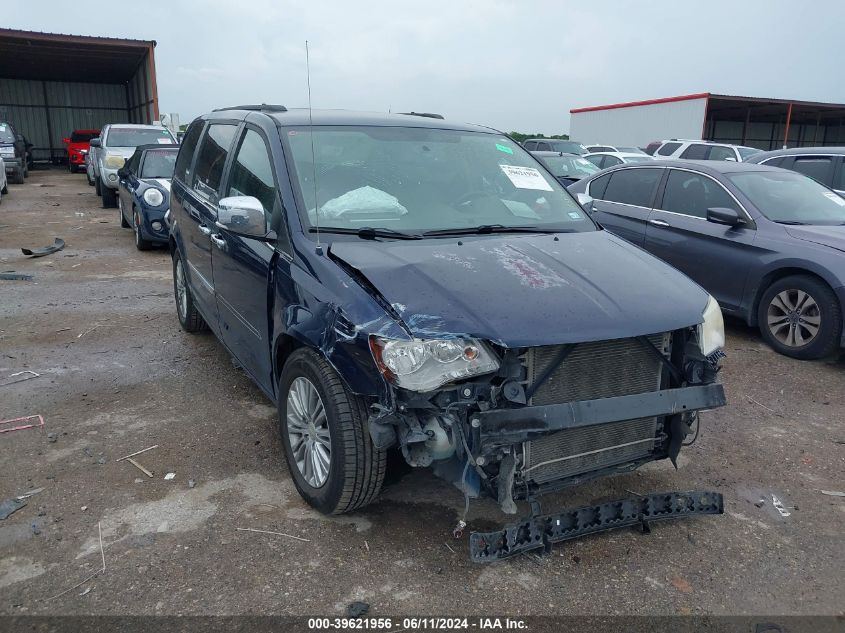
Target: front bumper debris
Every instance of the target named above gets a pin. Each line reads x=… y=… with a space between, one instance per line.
x=541 y=531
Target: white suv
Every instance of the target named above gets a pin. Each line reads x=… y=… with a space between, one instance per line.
x=677 y=148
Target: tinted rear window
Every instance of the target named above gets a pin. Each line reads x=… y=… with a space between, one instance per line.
x=668 y=148
x=632 y=186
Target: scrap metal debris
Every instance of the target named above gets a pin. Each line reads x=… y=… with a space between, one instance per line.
x=778 y=504
x=298 y=538
x=102 y=570
x=29 y=493
x=21 y=427
x=139 y=467
x=833 y=493
x=9 y=507
x=13 y=276
x=169 y=476
x=143 y=450
x=57 y=245
x=27 y=375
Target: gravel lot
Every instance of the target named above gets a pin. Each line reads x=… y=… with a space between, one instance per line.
x=118 y=375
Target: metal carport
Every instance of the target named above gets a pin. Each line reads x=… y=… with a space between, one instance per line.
x=51 y=84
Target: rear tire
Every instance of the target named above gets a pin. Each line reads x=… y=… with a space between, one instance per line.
x=356 y=467
x=109 y=197
x=189 y=317
x=800 y=316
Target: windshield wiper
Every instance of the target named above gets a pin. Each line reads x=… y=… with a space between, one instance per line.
x=367 y=232
x=484 y=229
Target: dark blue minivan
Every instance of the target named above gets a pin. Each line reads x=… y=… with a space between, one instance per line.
x=399 y=282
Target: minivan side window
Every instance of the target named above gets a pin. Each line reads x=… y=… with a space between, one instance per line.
x=668 y=148
x=252 y=172
x=212 y=158
x=186 y=151
x=632 y=186
x=692 y=194
x=816 y=167
x=696 y=151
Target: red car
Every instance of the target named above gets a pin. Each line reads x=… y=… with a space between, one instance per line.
x=77 y=147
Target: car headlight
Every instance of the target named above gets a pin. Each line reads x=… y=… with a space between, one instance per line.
x=114 y=161
x=423 y=365
x=711 y=332
x=153 y=197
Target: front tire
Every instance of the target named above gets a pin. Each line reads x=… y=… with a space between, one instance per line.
x=328 y=448
x=97 y=187
x=799 y=316
x=109 y=197
x=123 y=223
x=140 y=243
x=189 y=317
x=17 y=177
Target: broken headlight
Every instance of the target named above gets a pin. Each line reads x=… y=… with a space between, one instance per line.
x=423 y=365
x=711 y=332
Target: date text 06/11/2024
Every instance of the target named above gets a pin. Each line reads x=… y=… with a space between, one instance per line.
x=417 y=624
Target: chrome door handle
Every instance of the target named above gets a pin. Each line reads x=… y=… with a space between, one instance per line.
x=219 y=242
x=663 y=223
x=204 y=229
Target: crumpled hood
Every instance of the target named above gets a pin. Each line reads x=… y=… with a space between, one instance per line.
x=832 y=236
x=526 y=290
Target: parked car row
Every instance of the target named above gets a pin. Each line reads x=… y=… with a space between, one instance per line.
x=16 y=153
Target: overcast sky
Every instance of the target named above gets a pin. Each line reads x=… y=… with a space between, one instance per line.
x=516 y=65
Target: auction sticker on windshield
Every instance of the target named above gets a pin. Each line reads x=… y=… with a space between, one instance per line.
x=526 y=178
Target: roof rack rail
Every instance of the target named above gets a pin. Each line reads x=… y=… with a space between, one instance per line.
x=428 y=115
x=263 y=107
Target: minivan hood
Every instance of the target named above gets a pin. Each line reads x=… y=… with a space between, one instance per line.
x=527 y=290
x=832 y=236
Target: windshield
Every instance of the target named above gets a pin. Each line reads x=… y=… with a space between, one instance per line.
x=133 y=137
x=791 y=198
x=83 y=137
x=6 y=135
x=569 y=166
x=159 y=163
x=420 y=179
x=747 y=152
x=568 y=147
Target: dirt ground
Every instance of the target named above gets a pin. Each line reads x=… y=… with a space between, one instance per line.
x=117 y=375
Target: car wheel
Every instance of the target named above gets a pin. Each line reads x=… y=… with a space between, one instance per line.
x=123 y=223
x=97 y=187
x=140 y=243
x=17 y=177
x=5 y=188
x=189 y=317
x=328 y=448
x=88 y=177
x=800 y=317
x=109 y=197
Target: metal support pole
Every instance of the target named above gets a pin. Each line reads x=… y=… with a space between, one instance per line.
x=786 y=129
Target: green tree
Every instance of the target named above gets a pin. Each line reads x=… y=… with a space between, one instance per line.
x=519 y=137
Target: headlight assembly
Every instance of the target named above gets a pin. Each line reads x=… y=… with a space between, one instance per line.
x=114 y=161
x=425 y=364
x=711 y=332
x=153 y=197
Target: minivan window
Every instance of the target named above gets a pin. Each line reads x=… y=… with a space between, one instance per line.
x=632 y=186
x=422 y=179
x=252 y=172
x=692 y=194
x=212 y=157
x=791 y=198
x=134 y=136
x=696 y=151
x=816 y=167
x=186 y=151
x=667 y=148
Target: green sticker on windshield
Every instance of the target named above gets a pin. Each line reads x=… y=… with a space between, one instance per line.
x=504 y=148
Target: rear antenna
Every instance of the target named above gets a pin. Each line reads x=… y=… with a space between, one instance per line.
x=319 y=248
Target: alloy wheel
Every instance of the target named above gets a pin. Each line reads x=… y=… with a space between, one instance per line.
x=793 y=318
x=308 y=432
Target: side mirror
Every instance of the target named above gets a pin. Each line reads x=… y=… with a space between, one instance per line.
x=586 y=201
x=122 y=173
x=94 y=142
x=242 y=215
x=723 y=215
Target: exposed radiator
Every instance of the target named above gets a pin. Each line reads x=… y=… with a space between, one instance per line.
x=600 y=369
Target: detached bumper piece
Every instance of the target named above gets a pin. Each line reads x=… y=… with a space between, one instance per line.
x=541 y=531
